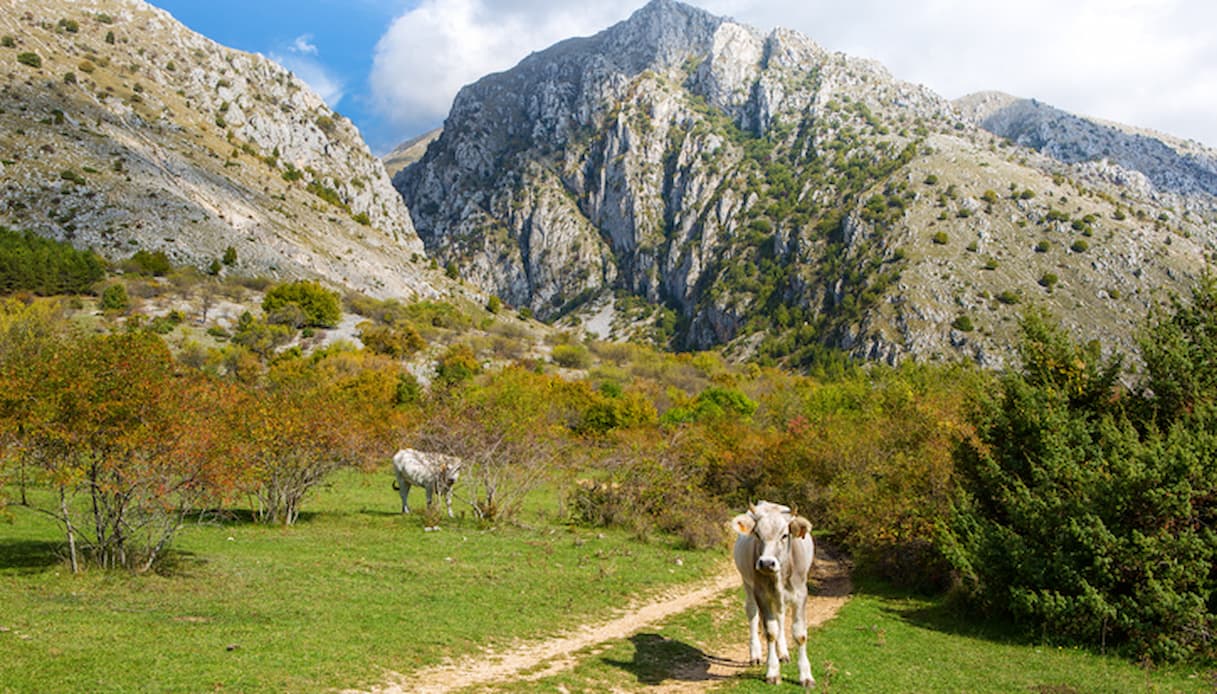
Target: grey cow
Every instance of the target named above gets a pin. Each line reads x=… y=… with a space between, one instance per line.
x=773 y=553
x=434 y=472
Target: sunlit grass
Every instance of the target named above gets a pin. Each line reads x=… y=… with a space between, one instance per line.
x=351 y=591
x=880 y=642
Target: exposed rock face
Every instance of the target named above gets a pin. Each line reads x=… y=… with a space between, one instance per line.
x=755 y=190
x=178 y=144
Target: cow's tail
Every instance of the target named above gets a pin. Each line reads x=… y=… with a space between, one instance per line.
x=395 y=487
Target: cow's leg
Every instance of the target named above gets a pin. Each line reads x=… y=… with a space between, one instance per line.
x=448 y=500
x=754 y=626
x=773 y=671
x=783 y=649
x=403 y=488
x=800 y=639
x=430 y=492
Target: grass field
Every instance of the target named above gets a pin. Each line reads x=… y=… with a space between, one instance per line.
x=353 y=589
x=880 y=642
x=357 y=589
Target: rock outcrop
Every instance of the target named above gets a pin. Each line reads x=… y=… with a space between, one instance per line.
x=734 y=187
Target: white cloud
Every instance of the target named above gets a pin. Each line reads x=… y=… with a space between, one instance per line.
x=1144 y=62
x=304 y=45
x=433 y=50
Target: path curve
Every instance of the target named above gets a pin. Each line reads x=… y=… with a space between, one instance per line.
x=830 y=579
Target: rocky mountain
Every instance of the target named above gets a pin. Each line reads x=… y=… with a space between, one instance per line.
x=719 y=185
x=121 y=129
x=1169 y=165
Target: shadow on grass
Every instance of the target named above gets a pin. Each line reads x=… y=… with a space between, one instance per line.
x=233 y=517
x=658 y=659
x=30 y=556
x=939 y=613
x=25 y=557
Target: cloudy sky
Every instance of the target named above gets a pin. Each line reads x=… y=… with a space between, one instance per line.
x=393 y=66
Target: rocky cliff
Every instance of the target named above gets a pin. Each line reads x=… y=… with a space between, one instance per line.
x=720 y=185
x=121 y=129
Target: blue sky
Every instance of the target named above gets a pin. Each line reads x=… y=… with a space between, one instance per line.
x=393 y=66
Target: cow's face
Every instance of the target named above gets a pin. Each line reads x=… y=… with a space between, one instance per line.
x=772 y=533
x=448 y=474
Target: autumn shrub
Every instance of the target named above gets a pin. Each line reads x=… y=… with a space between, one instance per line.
x=396 y=342
x=612 y=408
x=512 y=430
x=129 y=445
x=653 y=487
x=288 y=427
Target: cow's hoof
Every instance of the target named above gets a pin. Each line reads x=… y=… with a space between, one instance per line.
x=773 y=680
x=755 y=661
x=809 y=683
x=784 y=658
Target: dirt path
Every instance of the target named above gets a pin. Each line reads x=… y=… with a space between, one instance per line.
x=831 y=588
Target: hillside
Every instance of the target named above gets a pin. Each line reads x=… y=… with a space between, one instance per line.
x=121 y=130
x=682 y=176
x=409 y=151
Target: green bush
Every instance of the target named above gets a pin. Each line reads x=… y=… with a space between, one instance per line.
x=30 y=59
x=153 y=263
x=318 y=306
x=1081 y=517
x=715 y=402
x=114 y=298
x=29 y=262
x=458 y=363
x=1008 y=297
x=572 y=356
x=940 y=238
x=963 y=324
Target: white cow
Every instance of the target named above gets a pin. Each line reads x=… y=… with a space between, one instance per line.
x=434 y=472
x=773 y=553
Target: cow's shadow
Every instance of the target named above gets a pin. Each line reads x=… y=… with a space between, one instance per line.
x=658 y=659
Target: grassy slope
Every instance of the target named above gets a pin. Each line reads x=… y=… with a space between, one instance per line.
x=353 y=589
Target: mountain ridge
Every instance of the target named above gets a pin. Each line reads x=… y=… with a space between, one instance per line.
x=133 y=132
x=778 y=199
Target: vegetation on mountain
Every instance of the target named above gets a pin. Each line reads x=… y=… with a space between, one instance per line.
x=32 y=263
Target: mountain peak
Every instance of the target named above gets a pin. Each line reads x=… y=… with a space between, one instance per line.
x=660 y=34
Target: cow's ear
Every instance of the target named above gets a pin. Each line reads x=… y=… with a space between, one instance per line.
x=743 y=523
x=800 y=526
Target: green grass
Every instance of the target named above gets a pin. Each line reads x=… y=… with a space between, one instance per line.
x=880 y=642
x=355 y=588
